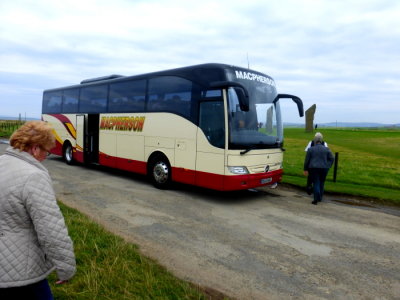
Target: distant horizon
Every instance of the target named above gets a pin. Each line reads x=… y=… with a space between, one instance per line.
x=325 y=124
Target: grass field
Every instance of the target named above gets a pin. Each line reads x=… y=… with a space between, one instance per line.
x=368 y=164
x=110 y=268
x=7 y=127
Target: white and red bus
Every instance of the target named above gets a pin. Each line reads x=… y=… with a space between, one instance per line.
x=213 y=125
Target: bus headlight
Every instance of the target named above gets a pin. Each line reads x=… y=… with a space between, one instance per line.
x=238 y=170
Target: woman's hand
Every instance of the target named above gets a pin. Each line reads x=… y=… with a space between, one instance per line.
x=305 y=173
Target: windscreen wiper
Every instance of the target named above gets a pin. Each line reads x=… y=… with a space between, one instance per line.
x=277 y=145
x=247 y=150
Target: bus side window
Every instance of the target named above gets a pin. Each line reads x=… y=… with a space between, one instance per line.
x=52 y=102
x=179 y=102
x=127 y=96
x=71 y=101
x=156 y=103
x=93 y=99
x=211 y=122
x=170 y=94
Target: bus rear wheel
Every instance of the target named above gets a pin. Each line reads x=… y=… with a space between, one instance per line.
x=67 y=153
x=160 y=172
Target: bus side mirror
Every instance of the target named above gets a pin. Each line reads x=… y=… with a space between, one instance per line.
x=243 y=98
x=295 y=99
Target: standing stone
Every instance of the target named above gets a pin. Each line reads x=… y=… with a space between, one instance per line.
x=310 y=118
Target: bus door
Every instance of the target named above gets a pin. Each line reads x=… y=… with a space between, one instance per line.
x=92 y=138
x=87 y=136
x=210 y=159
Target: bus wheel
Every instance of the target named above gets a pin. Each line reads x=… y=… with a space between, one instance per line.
x=67 y=153
x=160 y=172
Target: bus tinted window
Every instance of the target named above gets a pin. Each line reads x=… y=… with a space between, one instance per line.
x=172 y=94
x=212 y=93
x=93 y=99
x=52 y=102
x=127 y=96
x=211 y=121
x=70 y=101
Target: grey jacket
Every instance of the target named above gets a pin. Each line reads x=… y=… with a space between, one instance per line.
x=33 y=237
x=318 y=157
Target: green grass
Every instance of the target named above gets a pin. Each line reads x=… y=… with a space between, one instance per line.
x=110 y=268
x=7 y=127
x=368 y=164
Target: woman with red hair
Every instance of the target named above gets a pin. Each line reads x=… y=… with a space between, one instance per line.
x=34 y=240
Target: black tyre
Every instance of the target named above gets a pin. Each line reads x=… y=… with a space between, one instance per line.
x=67 y=154
x=160 y=172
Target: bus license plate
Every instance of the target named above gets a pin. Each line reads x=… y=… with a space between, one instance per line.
x=266 y=180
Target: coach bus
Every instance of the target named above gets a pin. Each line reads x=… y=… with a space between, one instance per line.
x=212 y=125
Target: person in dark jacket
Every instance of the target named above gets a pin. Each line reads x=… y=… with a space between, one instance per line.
x=309 y=187
x=316 y=165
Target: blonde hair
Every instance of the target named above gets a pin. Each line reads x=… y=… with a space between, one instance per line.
x=33 y=133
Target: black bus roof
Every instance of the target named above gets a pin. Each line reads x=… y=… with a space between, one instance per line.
x=202 y=74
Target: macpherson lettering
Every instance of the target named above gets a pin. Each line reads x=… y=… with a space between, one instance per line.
x=122 y=123
x=254 y=77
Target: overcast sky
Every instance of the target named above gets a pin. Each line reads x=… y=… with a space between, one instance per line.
x=343 y=56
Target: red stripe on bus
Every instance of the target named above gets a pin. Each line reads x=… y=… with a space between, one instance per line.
x=236 y=182
x=78 y=156
x=61 y=118
x=64 y=120
x=201 y=179
x=57 y=150
x=123 y=163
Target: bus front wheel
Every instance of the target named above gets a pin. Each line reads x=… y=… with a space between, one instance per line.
x=67 y=153
x=160 y=172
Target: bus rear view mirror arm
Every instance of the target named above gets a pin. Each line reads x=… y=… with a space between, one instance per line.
x=240 y=90
x=243 y=98
x=295 y=99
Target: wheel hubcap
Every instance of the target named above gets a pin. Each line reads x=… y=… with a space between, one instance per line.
x=68 y=154
x=160 y=172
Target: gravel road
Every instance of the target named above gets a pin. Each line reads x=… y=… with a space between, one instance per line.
x=256 y=244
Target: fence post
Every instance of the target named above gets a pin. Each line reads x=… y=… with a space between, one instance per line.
x=335 y=166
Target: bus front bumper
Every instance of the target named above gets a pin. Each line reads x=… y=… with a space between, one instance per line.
x=249 y=181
